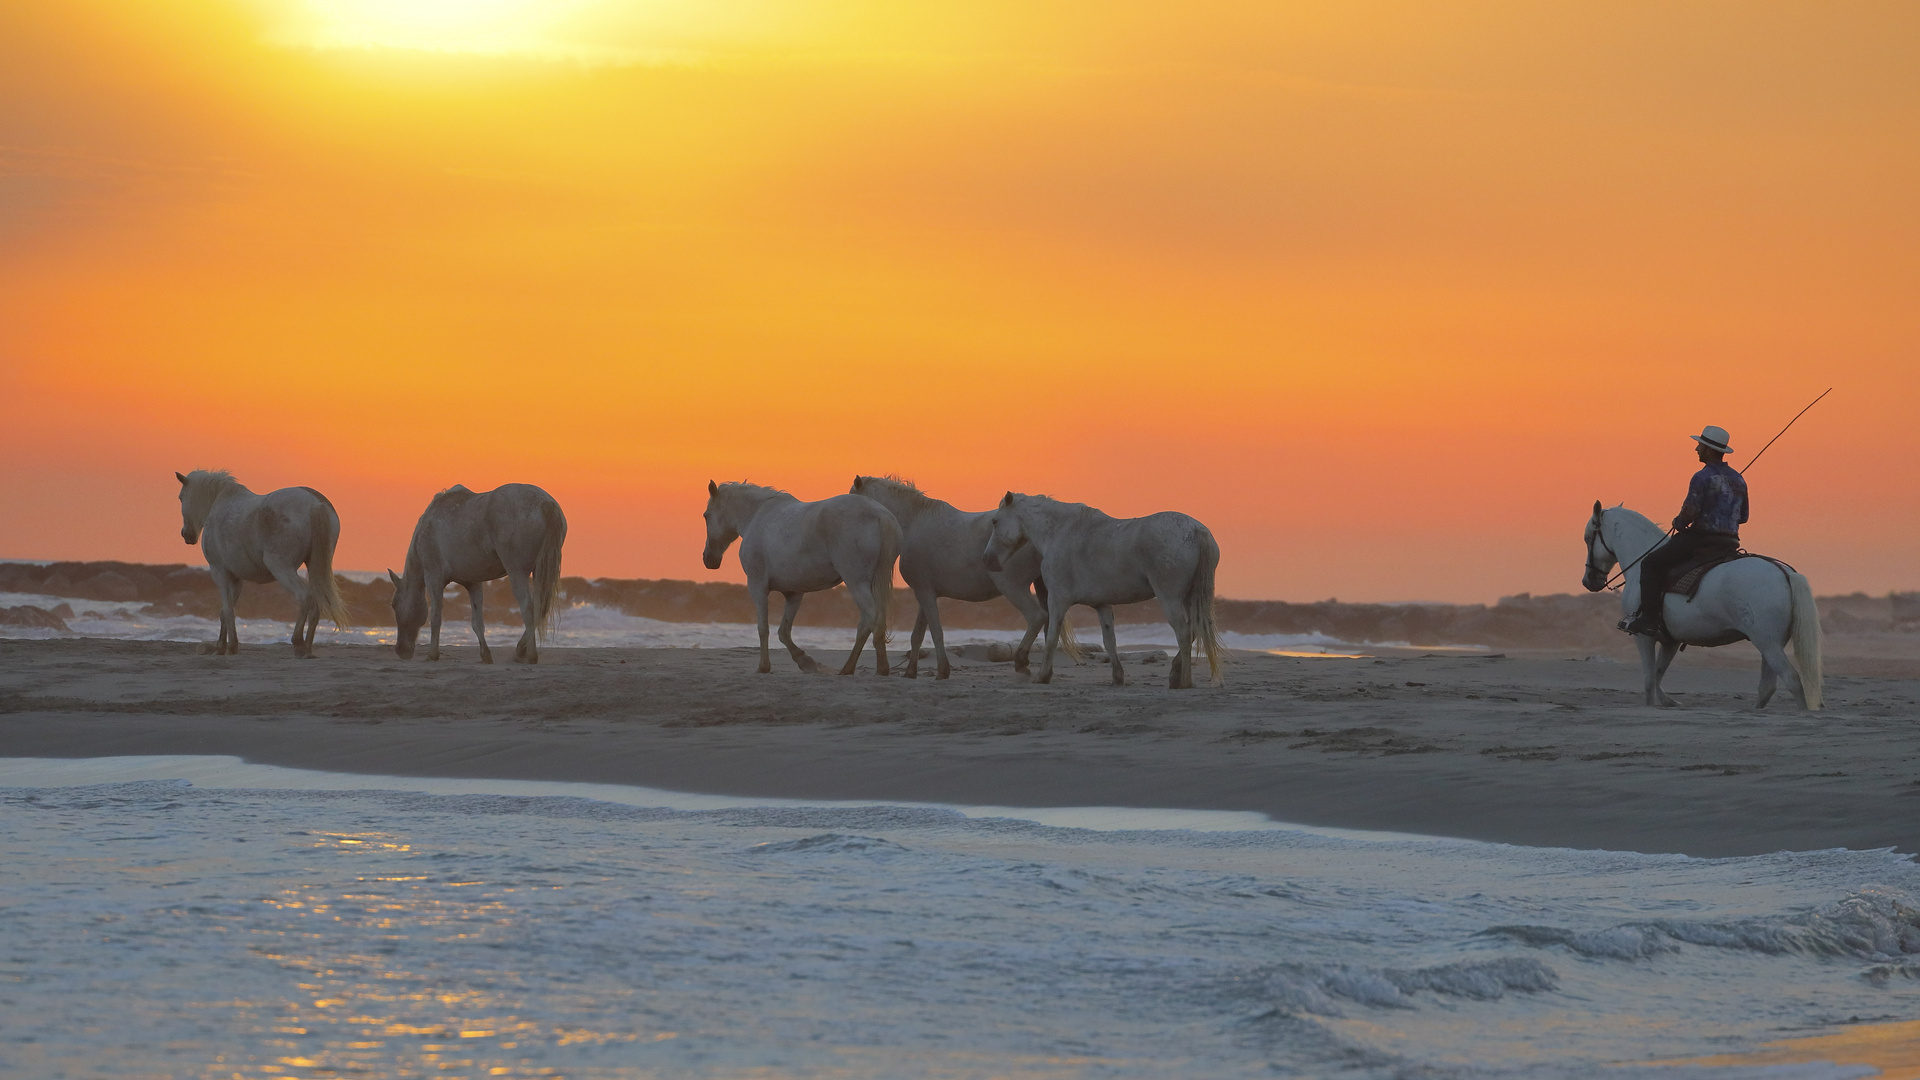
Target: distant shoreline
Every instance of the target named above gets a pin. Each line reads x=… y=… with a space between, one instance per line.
x=1566 y=620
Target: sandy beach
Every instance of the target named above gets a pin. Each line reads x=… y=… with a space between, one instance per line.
x=1545 y=750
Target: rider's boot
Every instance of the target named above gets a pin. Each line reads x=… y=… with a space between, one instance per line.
x=1644 y=623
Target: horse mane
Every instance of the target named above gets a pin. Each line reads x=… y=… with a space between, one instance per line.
x=458 y=493
x=903 y=486
x=203 y=488
x=751 y=487
x=1062 y=503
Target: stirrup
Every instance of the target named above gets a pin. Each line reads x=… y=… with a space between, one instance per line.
x=1642 y=626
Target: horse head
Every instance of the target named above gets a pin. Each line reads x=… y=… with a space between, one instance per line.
x=1600 y=557
x=189 y=528
x=1007 y=534
x=721 y=530
x=409 y=614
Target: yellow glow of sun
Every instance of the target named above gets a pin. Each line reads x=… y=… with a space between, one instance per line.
x=472 y=26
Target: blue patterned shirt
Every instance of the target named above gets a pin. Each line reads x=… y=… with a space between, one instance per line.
x=1716 y=501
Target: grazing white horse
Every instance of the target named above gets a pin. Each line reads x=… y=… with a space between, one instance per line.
x=793 y=548
x=941 y=555
x=514 y=531
x=1094 y=559
x=262 y=538
x=1757 y=600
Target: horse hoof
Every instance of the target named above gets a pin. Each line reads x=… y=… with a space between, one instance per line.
x=945 y=673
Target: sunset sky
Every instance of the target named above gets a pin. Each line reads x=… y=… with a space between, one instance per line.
x=1386 y=293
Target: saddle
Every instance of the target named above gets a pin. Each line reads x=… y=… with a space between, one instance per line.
x=1685 y=578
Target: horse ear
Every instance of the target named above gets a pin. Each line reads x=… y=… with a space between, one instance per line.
x=713 y=488
x=1596 y=507
x=183 y=479
x=1008 y=500
x=394 y=576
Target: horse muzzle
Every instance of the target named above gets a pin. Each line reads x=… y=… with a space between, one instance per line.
x=189 y=535
x=711 y=560
x=992 y=561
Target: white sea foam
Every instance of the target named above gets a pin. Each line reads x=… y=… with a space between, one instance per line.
x=384 y=932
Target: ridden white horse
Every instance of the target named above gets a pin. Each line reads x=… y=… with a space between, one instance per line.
x=1757 y=600
x=793 y=548
x=262 y=538
x=514 y=531
x=941 y=555
x=1094 y=559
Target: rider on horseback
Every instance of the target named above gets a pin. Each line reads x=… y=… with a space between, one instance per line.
x=1709 y=523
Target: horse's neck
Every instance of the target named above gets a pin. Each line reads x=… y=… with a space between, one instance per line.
x=905 y=506
x=746 y=504
x=214 y=491
x=1047 y=519
x=1630 y=535
x=413 y=574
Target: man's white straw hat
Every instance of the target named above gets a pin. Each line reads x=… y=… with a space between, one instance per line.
x=1713 y=438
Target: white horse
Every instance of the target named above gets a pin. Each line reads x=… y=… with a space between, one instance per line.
x=1758 y=600
x=262 y=538
x=1094 y=559
x=514 y=531
x=793 y=548
x=940 y=555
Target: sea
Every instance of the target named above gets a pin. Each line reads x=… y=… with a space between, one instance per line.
x=201 y=917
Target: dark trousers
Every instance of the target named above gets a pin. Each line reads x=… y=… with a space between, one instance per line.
x=1659 y=563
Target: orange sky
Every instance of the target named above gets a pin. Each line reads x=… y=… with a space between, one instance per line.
x=1387 y=293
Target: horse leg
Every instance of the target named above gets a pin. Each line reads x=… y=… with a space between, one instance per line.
x=1773 y=659
x=760 y=608
x=1181 y=677
x=1105 y=611
x=913 y=646
x=229 y=589
x=477 y=600
x=288 y=575
x=799 y=655
x=1649 y=669
x=436 y=595
x=1056 y=617
x=1668 y=650
x=528 y=650
x=869 y=615
x=1035 y=612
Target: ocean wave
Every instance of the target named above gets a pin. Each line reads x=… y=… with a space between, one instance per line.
x=1313 y=988
x=1872 y=924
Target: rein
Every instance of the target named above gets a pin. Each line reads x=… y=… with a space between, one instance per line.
x=1621 y=575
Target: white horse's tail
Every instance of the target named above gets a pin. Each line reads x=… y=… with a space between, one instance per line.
x=1806 y=637
x=1200 y=607
x=546 y=567
x=320 y=582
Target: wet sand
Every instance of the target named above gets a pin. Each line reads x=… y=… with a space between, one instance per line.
x=1538 y=749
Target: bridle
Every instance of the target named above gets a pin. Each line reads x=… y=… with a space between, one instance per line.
x=1600 y=534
